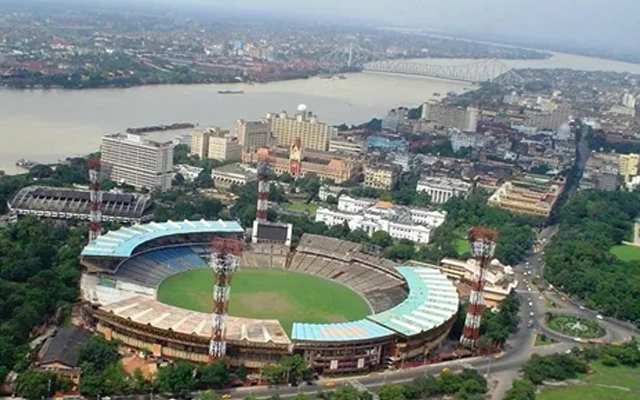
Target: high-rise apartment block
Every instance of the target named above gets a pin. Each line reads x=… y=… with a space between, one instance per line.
x=137 y=161
x=200 y=144
x=464 y=119
x=305 y=126
x=224 y=148
x=217 y=144
x=253 y=135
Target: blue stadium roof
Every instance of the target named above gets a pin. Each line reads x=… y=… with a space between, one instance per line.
x=341 y=332
x=122 y=242
x=432 y=301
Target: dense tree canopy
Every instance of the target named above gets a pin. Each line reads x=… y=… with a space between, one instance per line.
x=516 y=233
x=579 y=261
x=38 y=275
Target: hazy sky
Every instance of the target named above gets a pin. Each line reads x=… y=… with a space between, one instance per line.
x=589 y=22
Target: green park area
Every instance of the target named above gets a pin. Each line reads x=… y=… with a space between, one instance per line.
x=626 y=253
x=603 y=383
x=575 y=327
x=309 y=208
x=462 y=246
x=268 y=294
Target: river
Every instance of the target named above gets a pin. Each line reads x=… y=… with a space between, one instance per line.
x=48 y=125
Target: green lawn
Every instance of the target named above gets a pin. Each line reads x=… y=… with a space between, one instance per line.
x=615 y=376
x=626 y=253
x=268 y=294
x=621 y=377
x=310 y=208
x=586 y=392
x=462 y=246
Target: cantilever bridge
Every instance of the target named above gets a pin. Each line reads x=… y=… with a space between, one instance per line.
x=353 y=55
x=474 y=72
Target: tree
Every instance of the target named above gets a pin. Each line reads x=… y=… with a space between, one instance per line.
x=98 y=353
x=176 y=378
x=381 y=239
x=522 y=389
x=331 y=199
x=358 y=236
x=391 y=391
x=214 y=375
x=35 y=384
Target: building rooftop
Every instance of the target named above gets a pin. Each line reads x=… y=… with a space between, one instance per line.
x=122 y=242
x=432 y=301
x=77 y=201
x=347 y=331
x=63 y=347
x=235 y=169
x=148 y=311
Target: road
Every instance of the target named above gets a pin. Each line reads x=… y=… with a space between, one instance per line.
x=518 y=349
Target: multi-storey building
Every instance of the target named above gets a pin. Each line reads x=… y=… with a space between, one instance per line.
x=231 y=175
x=442 y=189
x=531 y=195
x=394 y=119
x=461 y=140
x=381 y=176
x=200 y=144
x=253 y=135
x=304 y=125
x=550 y=120
x=464 y=119
x=414 y=224
x=224 y=147
x=345 y=146
x=323 y=164
x=601 y=172
x=628 y=165
x=137 y=161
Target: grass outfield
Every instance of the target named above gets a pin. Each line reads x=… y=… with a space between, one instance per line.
x=268 y=294
x=604 y=383
x=626 y=253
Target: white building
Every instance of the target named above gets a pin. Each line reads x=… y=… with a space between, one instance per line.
x=188 y=172
x=443 y=189
x=371 y=216
x=134 y=160
x=233 y=175
x=461 y=140
x=629 y=100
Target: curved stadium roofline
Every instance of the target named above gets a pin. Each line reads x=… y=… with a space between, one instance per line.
x=124 y=241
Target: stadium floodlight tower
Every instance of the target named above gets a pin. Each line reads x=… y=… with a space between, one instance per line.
x=225 y=257
x=95 y=198
x=263 y=190
x=483 y=243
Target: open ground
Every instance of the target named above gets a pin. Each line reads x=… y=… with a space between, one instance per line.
x=268 y=294
x=604 y=383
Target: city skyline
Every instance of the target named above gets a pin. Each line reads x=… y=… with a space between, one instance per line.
x=595 y=24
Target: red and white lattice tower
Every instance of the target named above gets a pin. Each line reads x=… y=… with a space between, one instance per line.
x=482 y=243
x=95 y=198
x=225 y=256
x=263 y=190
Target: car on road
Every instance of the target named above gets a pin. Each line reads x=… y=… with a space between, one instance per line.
x=330 y=384
x=497 y=356
x=582 y=308
x=532 y=313
x=600 y=317
x=226 y=396
x=577 y=340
